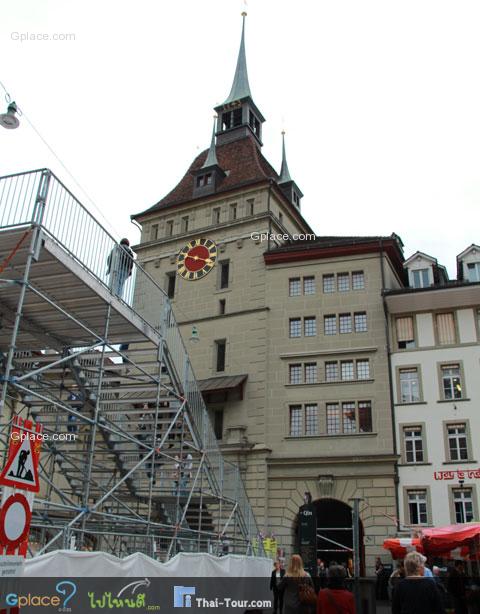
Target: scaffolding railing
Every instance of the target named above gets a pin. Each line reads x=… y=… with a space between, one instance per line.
x=39 y=199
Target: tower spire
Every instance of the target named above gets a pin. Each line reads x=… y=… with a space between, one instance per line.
x=240 y=86
x=284 y=172
x=211 y=159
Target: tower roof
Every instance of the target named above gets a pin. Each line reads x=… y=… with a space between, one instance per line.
x=211 y=159
x=284 y=172
x=240 y=86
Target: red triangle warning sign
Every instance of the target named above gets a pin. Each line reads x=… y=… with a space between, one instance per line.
x=21 y=469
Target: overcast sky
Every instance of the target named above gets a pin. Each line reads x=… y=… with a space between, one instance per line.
x=380 y=101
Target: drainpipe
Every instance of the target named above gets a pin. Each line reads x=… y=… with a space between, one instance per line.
x=269 y=217
x=390 y=384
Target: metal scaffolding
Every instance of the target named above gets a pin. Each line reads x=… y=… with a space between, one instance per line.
x=90 y=348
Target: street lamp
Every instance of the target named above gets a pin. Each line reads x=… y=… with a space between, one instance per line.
x=9 y=120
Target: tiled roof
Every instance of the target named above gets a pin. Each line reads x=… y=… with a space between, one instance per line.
x=240 y=159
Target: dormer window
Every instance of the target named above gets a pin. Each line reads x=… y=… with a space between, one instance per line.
x=203 y=180
x=473 y=271
x=254 y=123
x=232 y=119
x=421 y=278
x=296 y=199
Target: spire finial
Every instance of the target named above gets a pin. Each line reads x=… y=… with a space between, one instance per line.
x=240 y=86
x=212 y=154
x=284 y=172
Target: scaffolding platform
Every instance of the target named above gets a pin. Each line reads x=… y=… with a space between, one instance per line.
x=89 y=347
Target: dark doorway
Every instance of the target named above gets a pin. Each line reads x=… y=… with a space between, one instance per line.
x=334 y=533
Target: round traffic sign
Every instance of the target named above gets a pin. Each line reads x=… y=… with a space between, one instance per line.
x=15 y=517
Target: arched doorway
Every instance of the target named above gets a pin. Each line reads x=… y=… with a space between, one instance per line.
x=335 y=534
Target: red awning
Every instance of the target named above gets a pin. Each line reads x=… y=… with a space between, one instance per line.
x=400 y=546
x=445 y=539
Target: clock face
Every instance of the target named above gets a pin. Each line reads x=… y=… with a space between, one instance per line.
x=196 y=259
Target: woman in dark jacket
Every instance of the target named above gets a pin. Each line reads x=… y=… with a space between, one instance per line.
x=295 y=580
x=276 y=578
x=416 y=594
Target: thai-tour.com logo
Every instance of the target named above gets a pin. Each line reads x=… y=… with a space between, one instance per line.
x=185 y=597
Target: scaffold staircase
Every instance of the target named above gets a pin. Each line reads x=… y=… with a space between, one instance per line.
x=132 y=463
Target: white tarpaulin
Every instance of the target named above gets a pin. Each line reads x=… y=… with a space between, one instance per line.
x=69 y=564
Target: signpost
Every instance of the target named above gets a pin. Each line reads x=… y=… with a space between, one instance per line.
x=307 y=537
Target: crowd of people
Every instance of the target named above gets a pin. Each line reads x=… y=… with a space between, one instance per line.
x=413 y=588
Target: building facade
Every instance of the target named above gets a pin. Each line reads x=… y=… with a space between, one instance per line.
x=435 y=366
x=286 y=332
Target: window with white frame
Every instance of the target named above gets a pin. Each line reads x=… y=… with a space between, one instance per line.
x=463 y=504
x=417 y=506
x=420 y=278
x=345 y=323
x=473 y=271
x=360 y=322
x=358 y=280
x=409 y=385
x=294 y=286
x=296 y=422
x=457 y=442
x=445 y=328
x=346 y=369
x=343 y=282
x=311 y=419
x=363 y=368
x=413 y=442
x=295 y=327
x=331 y=371
x=405 y=332
x=309 y=285
x=329 y=283
x=330 y=325
x=333 y=419
x=310 y=326
x=311 y=373
x=451 y=382
x=295 y=374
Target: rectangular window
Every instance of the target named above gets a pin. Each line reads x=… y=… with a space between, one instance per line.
x=251 y=206
x=365 y=424
x=405 y=335
x=221 y=349
x=216 y=215
x=208 y=179
x=358 y=280
x=311 y=373
x=171 y=277
x=310 y=326
x=445 y=328
x=329 y=283
x=473 y=270
x=363 y=369
x=451 y=382
x=345 y=323
x=295 y=327
x=154 y=232
x=309 y=285
x=185 y=223
x=296 y=426
x=360 y=322
x=330 y=325
x=233 y=212
x=346 y=369
x=295 y=374
x=417 y=506
x=169 y=228
x=224 y=274
x=294 y=286
x=333 y=418
x=457 y=442
x=221 y=306
x=463 y=503
x=218 y=423
x=409 y=385
x=348 y=418
x=413 y=442
x=331 y=371
x=311 y=419
x=343 y=282
x=420 y=278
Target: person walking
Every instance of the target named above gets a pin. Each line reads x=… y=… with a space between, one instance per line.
x=119 y=266
x=277 y=575
x=416 y=594
x=297 y=588
x=336 y=599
